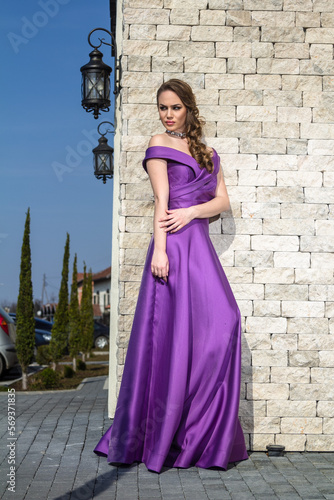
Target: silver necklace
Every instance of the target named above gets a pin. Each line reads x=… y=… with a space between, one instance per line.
x=182 y=135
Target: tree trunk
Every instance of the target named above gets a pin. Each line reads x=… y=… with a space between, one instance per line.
x=74 y=362
x=24 y=381
x=53 y=366
x=83 y=357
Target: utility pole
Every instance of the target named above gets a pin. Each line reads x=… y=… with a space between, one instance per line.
x=44 y=290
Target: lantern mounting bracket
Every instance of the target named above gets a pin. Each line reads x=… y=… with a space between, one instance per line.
x=117 y=72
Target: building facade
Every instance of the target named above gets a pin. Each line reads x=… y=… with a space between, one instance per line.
x=263 y=74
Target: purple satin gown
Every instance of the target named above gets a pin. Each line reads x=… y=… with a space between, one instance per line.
x=179 y=396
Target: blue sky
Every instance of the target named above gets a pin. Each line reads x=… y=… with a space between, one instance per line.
x=43 y=45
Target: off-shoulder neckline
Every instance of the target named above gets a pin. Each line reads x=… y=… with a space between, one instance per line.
x=178 y=150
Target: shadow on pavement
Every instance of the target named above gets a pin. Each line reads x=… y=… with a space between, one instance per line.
x=94 y=486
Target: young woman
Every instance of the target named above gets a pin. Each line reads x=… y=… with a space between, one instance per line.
x=179 y=397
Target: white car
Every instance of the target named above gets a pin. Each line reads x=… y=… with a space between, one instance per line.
x=8 y=357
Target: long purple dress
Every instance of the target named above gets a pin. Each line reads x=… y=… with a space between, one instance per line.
x=179 y=396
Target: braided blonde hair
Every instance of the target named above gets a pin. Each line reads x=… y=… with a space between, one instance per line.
x=194 y=123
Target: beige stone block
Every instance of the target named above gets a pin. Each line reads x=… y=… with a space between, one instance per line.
x=326 y=358
x=306 y=179
x=328 y=426
x=302 y=211
x=145 y=47
x=240 y=97
x=207 y=96
x=244 y=129
x=321 y=292
x=298 y=5
x=233 y=49
x=212 y=17
x=318 y=195
x=134 y=240
x=282 y=98
x=195 y=80
x=313 y=276
x=244 y=291
x=253 y=259
x=260 y=425
x=284 y=342
x=151 y=127
x=329 y=313
x=188 y=49
x=137 y=208
x=197 y=4
x=257 y=341
x=327 y=19
x=292 y=51
x=291 y=442
x=247 y=408
x=316 y=67
x=185 y=16
x=328 y=179
x=256 y=113
x=319 y=35
x=320 y=51
x=226 y=242
x=238 y=274
x=138 y=224
x=241 y=65
x=142 y=32
x=212 y=33
x=318 y=443
x=296 y=146
x=127 y=306
x=238 y=17
x=325 y=409
x=318 y=342
x=319 y=100
x=136 y=143
x=262 y=146
x=246 y=307
x=280 y=34
x=216 y=113
x=274 y=392
x=269 y=18
x=324 y=227
x=272 y=275
x=301 y=425
x=312 y=392
x=268 y=325
x=205 y=64
x=302 y=83
x=308 y=19
x=225 y=145
x=280 y=130
x=140 y=79
x=260 y=210
x=307 y=309
x=246 y=34
x=262 y=49
x=258 y=442
x=173 y=32
x=271 y=5
x=138 y=191
x=242 y=226
x=280 y=194
x=291 y=375
x=317 y=243
x=137 y=63
x=287 y=292
x=138 y=4
x=257 y=178
x=131 y=273
x=292 y=259
x=288 y=227
x=171 y=64
x=318 y=375
x=135 y=256
x=133 y=174
x=303 y=358
x=270 y=308
x=317 y=130
x=141 y=95
x=238 y=162
x=275 y=243
x=125 y=325
x=226 y=4
x=262 y=82
x=289 y=114
x=328 y=83
x=145 y=16
x=218 y=81
x=323 y=115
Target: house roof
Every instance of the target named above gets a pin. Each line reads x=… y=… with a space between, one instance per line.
x=99 y=276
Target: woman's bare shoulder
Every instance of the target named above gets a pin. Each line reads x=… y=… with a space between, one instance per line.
x=158 y=140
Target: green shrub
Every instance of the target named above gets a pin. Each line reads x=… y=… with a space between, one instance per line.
x=68 y=371
x=48 y=379
x=81 y=365
x=43 y=356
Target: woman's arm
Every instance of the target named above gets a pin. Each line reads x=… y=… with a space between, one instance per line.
x=176 y=219
x=157 y=171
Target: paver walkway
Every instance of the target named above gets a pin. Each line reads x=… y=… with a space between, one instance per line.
x=57 y=431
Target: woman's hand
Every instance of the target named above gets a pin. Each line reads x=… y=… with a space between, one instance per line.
x=160 y=264
x=176 y=219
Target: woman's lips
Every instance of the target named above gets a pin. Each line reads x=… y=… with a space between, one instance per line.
x=170 y=123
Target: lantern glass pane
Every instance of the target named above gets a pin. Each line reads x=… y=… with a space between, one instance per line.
x=104 y=162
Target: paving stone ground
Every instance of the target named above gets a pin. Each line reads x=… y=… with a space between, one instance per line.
x=57 y=431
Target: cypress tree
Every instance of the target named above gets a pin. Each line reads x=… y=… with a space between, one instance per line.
x=87 y=315
x=74 y=317
x=25 y=322
x=60 y=327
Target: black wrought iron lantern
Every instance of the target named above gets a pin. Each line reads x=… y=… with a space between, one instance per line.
x=103 y=156
x=96 y=78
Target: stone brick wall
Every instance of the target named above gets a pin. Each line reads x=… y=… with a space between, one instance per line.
x=263 y=73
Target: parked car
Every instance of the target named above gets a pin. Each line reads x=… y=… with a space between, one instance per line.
x=42 y=330
x=8 y=357
x=101 y=335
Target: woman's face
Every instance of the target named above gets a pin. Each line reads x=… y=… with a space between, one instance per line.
x=172 y=111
